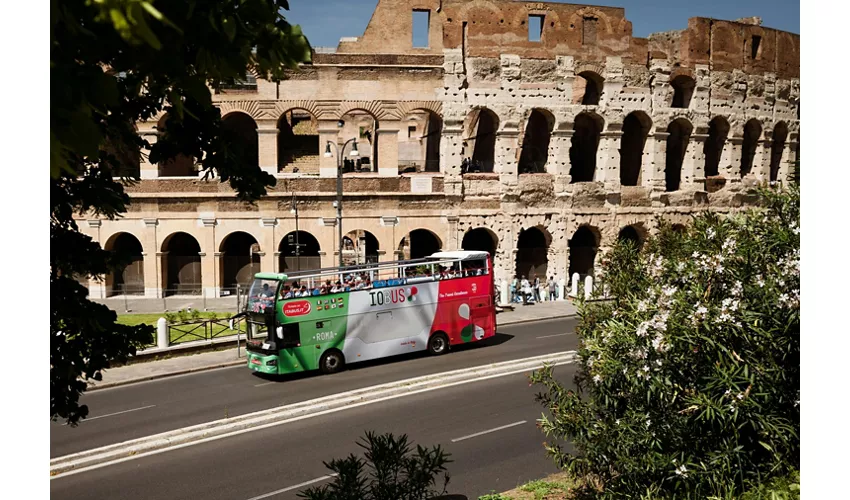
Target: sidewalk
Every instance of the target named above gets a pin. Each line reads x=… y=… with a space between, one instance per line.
x=179 y=365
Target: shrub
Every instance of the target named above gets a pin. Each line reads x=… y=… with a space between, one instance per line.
x=182 y=316
x=213 y=316
x=170 y=318
x=391 y=471
x=195 y=314
x=688 y=380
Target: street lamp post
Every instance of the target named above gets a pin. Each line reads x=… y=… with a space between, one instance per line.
x=339 y=158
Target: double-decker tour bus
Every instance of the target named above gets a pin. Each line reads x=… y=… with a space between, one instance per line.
x=325 y=318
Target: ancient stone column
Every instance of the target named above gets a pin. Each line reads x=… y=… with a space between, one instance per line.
x=451 y=156
x=148 y=170
x=655 y=177
x=387 y=156
x=268 y=245
x=693 y=168
x=608 y=159
x=267 y=143
x=151 y=260
x=328 y=132
x=559 y=159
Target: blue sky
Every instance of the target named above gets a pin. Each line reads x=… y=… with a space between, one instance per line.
x=325 y=21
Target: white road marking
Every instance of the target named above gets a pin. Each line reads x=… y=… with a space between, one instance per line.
x=284 y=490
x=260 y=385
x=556 y=335
x=488 y=431
x=111 y=414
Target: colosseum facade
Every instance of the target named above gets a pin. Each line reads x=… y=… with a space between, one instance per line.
x=541 y=132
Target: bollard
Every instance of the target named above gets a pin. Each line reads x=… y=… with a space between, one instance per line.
x=574 y=286
x=506 y=292
x=162 y=340
x=562 y=289
x=588 y=287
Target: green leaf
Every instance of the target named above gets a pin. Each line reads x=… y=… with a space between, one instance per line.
x=229 y=26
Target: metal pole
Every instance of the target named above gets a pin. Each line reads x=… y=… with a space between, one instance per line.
x=339 y=158
x=297 y=241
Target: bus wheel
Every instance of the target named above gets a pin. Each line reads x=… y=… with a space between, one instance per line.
x=331 y=362
x=438 y=344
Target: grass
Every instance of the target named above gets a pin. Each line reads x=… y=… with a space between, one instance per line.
x=554 y=487
x=179 y=334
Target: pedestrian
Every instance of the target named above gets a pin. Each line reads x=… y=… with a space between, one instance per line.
x=552 y=288
x=526 y=290
x=513 y=288
x=536 y=289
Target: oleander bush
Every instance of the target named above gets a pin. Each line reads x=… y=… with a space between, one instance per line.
x=688 y=380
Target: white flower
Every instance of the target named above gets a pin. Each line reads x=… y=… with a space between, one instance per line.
x=658 y=362
x=728 y=392
x=642 y=329
x=645 y=369
x=710 y=233
x=701 y=310
x=641 y=307
x=737 y=288
x=617 y=421
x=597 y=378
x=740 y=396
x=719 y=269
x=669 y=290
x=680 y=266
x=729 y=244
x=760 y=281
x=682 y=471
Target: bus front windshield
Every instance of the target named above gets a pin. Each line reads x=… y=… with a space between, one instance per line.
x=262 y=295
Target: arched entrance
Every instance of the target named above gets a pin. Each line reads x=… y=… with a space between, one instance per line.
x=683 y=90
x=535 y=142
x=532 y=257
x=359 y=247
x=129 y=279
x=179 y=164
x=240 y=260
x=181 y=265
x=752 y=134
x=583 y=246
x=419 y=243
x=480 y=139
x=677 y=145
x=480 y=239
x=419 y=146
x=635 y=130
x=241 y=130
x=631 y=235
x=299 y=252
x=780 y=133
x=587 y=88
x=297 y=142
x=361 y=126
x=718 y=131
x=585 y=142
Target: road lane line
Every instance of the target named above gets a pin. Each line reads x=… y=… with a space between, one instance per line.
x=284 y=490
x=556 y=335
x=267 y=383
x=111 y=414
x=455 y=440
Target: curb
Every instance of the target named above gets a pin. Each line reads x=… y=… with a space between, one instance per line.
x=228 y=364
x=227 y=427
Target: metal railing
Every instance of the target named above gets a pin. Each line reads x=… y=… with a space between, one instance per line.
x=205 y=329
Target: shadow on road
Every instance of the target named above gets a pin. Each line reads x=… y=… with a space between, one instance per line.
x=498 y=339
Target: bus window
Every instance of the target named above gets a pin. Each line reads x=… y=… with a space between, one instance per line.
x=261 y=294
x=475 y=267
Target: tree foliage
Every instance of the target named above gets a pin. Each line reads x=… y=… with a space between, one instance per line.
x=392 y=470
x=688 y=381
x=114 y=63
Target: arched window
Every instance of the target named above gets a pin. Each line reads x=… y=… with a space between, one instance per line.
x=718 y=131
x=532 y=258
x=635 y=130
x=241 y=130
x=780 y=134
x=535 y=142
x=583 y=247
x=480 y=239
x=677 y=145
x=298 y=142
x=683 y=90
x=480 y=139
x=752 y=134
x=585 y=142
x=181 y=265
x=239 y=261
x=299 y=252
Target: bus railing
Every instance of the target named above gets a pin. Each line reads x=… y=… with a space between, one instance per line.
x=375 y=272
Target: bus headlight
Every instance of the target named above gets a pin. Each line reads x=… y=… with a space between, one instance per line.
x=271 y=362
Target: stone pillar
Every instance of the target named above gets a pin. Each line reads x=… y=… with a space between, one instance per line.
x=268 y=245
x=693 y=168
x=451 y=156
x=608 y=159
x=387 y=156
x=764 y=149
x=152 y=261
x=654 y=178
x=210 y=262
x=267 y=143
x=559 y=159
x=505 y=160
x=789 y=161
x=148 y=170
x=736 y=148
x=328 y=132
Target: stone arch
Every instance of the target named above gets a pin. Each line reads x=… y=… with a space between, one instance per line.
x=481 y=239
x=532 y=256
x=419 y=243
x=181 y=265
x=374 y=108
x=129 y=278
x=250 y=108
x=585 y=142
x=479 y=132
x=359 y=123
x=636 y=128
x=780 y=134
x=241 y=129
x=631 y=234
x=751 y=137
x=310 y=106
x=677 y=145
x=587 y=88
x=360 y=247
x=718 y=132
x=299 y=251
x=179 y=164
x=419 y=148
x=583 y=247
x=534 y=150
x=683 y=90
x=238 y=262
x=404 y=108
x=298 y=141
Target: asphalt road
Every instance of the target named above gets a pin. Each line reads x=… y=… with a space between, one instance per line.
x=128 y=412
x=487 y=426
